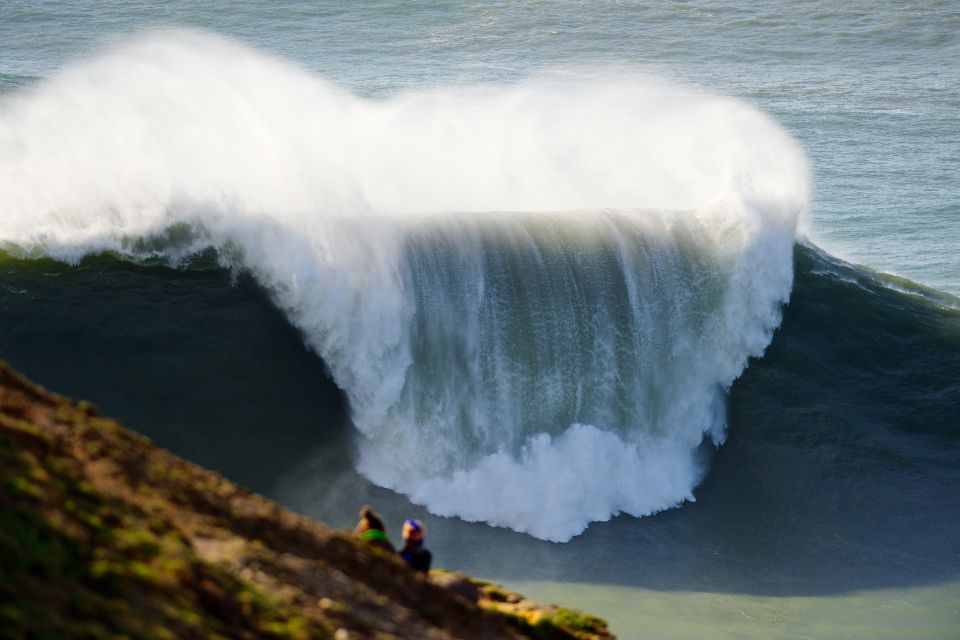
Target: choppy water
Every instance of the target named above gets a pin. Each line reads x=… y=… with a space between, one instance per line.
x=534 y=245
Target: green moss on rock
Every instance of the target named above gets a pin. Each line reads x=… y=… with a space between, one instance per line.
x=105 y=536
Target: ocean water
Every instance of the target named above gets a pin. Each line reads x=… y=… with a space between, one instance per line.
x=649 y=308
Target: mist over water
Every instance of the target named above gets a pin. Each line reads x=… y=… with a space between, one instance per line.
x=514 y=285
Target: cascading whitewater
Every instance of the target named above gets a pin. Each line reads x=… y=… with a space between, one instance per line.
x=534 y=296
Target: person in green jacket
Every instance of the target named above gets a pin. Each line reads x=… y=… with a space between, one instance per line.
x=370 y=529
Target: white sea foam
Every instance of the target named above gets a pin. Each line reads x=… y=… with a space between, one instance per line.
x=534 y=296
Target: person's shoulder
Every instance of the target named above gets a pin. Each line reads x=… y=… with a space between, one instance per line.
x=422 y=559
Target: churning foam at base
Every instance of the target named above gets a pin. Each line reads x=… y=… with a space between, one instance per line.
x=534 y=296
x=558 y=485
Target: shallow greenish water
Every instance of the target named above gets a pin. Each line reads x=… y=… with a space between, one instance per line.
x=890 y=614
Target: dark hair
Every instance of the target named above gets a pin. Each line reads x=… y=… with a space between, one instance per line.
x=373 y=521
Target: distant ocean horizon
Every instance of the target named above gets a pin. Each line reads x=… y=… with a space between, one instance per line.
x=649 y=309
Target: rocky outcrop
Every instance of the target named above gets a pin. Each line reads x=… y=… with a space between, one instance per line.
x=102 y=534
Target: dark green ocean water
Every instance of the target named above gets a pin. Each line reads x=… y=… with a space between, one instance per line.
x=840 y=475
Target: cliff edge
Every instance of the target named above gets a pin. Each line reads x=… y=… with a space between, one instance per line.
x=104 y=535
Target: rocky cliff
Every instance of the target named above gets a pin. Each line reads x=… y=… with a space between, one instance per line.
x=102 y=534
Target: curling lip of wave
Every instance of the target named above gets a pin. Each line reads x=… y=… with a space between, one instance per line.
x=635 y=317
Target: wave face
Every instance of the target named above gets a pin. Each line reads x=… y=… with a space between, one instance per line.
x=534 y=296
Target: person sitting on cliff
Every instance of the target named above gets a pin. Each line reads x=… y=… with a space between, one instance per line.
x=370 y=529
x=413 y=552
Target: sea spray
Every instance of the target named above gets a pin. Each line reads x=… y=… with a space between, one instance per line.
x=534 y=296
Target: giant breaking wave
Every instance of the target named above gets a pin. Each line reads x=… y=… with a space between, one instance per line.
x=534 y=296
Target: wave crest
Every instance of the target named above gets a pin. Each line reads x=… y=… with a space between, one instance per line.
x=534 y=296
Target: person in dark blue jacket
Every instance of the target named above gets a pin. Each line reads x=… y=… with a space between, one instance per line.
x=413 y=552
